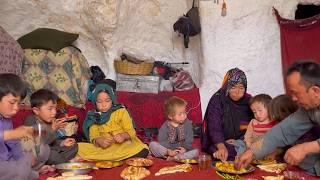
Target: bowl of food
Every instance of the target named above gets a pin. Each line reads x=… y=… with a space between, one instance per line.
x=228 y=167
x=76 y=168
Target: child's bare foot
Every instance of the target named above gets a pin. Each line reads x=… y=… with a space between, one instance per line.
x=77 y=159
x=170 y=158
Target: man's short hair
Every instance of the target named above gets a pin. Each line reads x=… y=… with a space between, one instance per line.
x=12 y=84
x=309 y=72
x=42 y=96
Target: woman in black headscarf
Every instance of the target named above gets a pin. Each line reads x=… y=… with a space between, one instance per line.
x=228 y=108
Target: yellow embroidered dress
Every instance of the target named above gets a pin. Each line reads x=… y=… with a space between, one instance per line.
x=119 y=122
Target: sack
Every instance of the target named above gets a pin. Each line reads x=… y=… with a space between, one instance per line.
x=189 y=24
x=182 y=81
x=97 y=74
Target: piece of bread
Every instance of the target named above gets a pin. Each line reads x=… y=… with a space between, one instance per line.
x=174 y=169
x=273 y=177
x=75 y=177
x=274 y=168
x=134 y=173
x=139 y=162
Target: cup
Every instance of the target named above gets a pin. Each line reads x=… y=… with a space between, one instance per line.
x=204 y=162
x=39 y=133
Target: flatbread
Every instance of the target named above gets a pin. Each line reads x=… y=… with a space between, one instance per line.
x=274 y=168
x=134 y=173
x=273 y=177
x=70 y=177
x=108 y=164
x=264 y=161
x=139 y=162
x=174 y=169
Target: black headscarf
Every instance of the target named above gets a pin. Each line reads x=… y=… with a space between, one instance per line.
x=234 y=111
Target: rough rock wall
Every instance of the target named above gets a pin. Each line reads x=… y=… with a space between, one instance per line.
x=108 y=27
x=248 y=37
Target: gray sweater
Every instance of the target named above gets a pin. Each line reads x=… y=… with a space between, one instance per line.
x=188 y=135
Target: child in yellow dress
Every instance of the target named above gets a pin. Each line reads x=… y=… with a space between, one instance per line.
x=110 y=130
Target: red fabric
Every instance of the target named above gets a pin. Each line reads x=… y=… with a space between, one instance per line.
x=148 y=109
x=300 y=39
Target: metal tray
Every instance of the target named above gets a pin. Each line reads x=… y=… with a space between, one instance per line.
x=76 y=168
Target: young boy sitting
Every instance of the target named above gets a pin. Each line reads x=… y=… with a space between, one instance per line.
x=13 y=164
x=176 y=134
x=44 y=107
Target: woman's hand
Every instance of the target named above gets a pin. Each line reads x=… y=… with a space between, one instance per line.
x=221 y=153
x=103 y=142
x=121 y=137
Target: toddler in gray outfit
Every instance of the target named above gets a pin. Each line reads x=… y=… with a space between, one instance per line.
x=176 y=134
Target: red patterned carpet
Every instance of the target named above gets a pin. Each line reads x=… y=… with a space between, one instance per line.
x=114 y=174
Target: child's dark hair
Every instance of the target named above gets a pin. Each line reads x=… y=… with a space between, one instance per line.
x=261 y=98
x=12 y=84
x=281 y=106
x=169 y=105
x=42 y=96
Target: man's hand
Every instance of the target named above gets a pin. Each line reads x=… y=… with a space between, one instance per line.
x=58 y=123
x=244 y=159
x=68 y=142
x=103 y=142
x=297 y=153
x=121 y=137
x=221 y=153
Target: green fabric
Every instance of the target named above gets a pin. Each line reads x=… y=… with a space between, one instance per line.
x=49 y=39
x=94 y=117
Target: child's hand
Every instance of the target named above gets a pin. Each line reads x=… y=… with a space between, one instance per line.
x=121 y=137
x=24 y=131
x=172 y=153
x=58 y=123
x=103 y=142
x=18 y=133
x=45 y=169
x=231 y=141
x=181 y=150
x=68 y=142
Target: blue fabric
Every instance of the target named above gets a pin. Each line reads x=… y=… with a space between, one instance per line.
x=10 y=150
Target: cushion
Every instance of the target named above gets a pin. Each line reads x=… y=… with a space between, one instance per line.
x=11 y=54
x=66 y=73
x=49 y=39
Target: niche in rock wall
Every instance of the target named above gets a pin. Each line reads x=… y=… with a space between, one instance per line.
x=306 y=11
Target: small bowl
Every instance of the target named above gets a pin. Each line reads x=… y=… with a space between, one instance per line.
x=76 y=168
